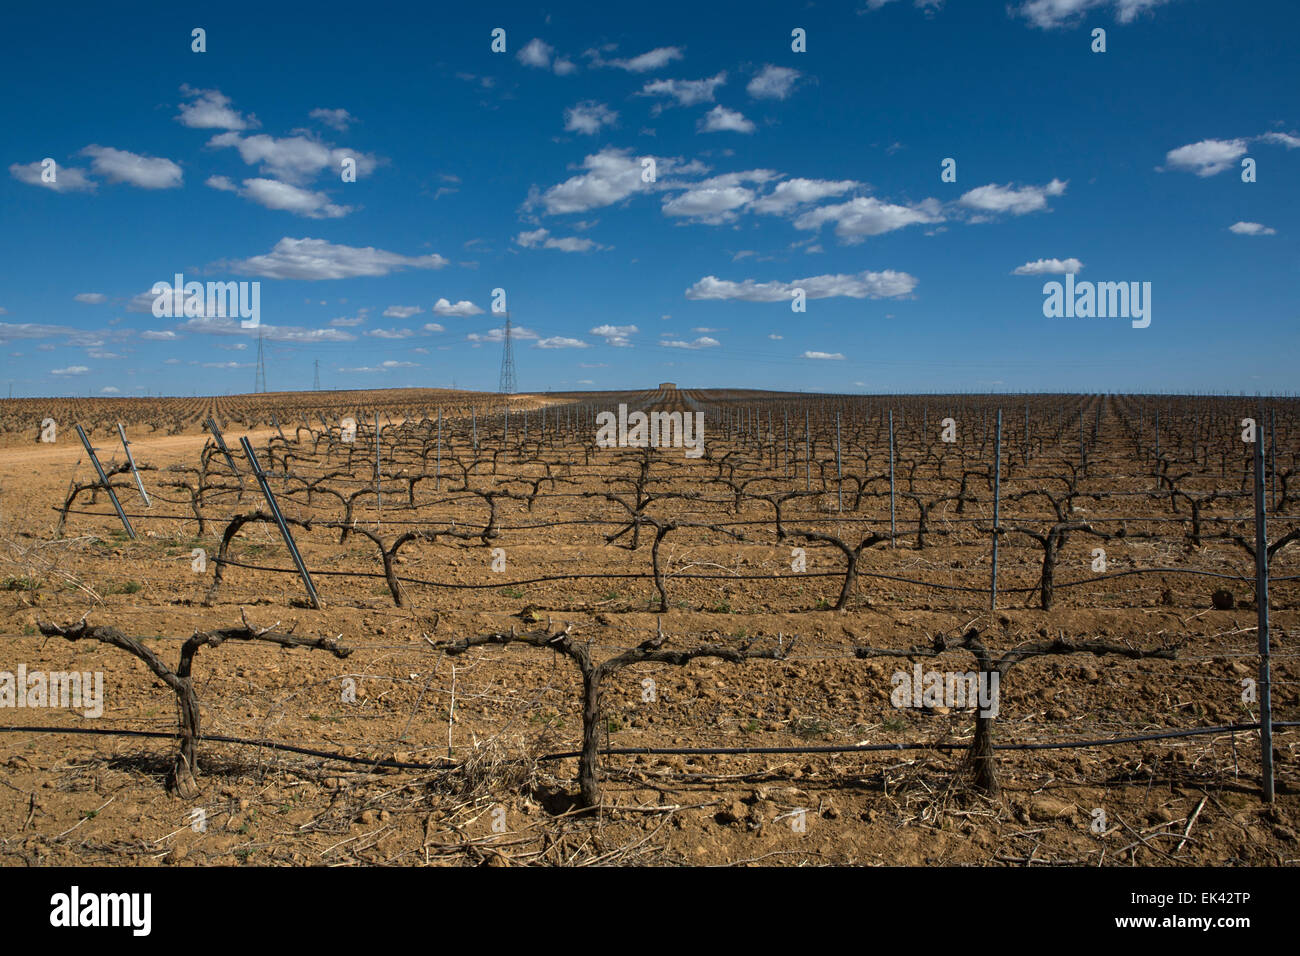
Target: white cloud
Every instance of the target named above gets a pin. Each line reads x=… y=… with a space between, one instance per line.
x=109 y=390
x=294 y=159
x=338 y=119
x=999 y=199
x=462 y=308
x=795 y=192
x=433 y=327
x=70 y=370
x=651 y=60
x=164 y=335
x=572 y=244
x=319 y=259
x=91 y=298
x=499 y=335
x=120 y=166
x=543 y=238
x=709 y=204
x=1208 y=157
x=272 y=333
x=686 y=92
x=868 y=216
x=588 y=117
x=834 y=356
x=722 y=120
x=1288 y=140
x=773 y=83
x=616 y=335
x=67 y=179
x=210 y=109
x=387 y=366
x=401 y=311
x=1043 y=267
x=863 y=285
x=536 y=53
x=1051 y=14
x=774 y=337
x=611 y=176
x=31 y=330
x=561 y=342
x=703 y=342
x=1252 y=229
x=391 y=333
x=274 y=194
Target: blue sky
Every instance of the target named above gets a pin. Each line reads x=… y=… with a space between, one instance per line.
x=774 y=170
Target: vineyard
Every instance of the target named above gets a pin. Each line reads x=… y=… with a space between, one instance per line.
x=423 y=626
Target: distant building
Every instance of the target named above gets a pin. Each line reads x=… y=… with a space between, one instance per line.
x=665 y=386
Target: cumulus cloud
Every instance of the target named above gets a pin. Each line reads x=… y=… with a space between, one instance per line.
x=210 y=109
x=31 y=330
x=1052 y=14
x=543 y=238
x=499 y=335
x=1252 y=229
x=1289 y=140
x=401 y=311
x=293 y=159
x=709 y=204
x=560 y=342
x=536 y=53
x=867 y=216
x=862 y=285
x=67 y=179
x=460 y=309
x=217 y=325
x=703 y=342
x=588 y=117
x=1042 y=267
x=160 y=335
x=91 y=298
x=722 y=120
x=652 y=60
x=274 y=194
x=832 y=356
x=337 y=119
x=320 y=259
x=120 y=166
x=686 y=92
x=70 y=370
x=391 y=333
x=995 y=199
x=1206 y=158
x=433 y=327
x=610 y=176
x=773 y=83
x=616 y=335
x=796 y=192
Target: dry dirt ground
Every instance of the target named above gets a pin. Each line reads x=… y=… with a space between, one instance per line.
x=480 y=721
